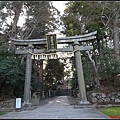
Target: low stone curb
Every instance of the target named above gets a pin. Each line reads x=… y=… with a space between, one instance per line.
x=7 y=109
x=29 y=108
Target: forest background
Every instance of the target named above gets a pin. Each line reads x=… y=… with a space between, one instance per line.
x=101 y=66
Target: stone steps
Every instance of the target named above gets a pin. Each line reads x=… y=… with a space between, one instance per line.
x=63 y=92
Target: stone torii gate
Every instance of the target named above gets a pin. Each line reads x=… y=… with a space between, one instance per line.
x=51 y=43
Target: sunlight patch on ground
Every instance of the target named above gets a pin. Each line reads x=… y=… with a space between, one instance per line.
x=50 y=102
x=57 y=101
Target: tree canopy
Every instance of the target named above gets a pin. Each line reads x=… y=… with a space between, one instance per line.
x=40 y=18
x=81 y=17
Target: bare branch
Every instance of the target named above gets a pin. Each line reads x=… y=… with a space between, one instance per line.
x=39 y=19
x=96 y=68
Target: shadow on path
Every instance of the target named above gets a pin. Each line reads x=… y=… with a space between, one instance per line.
x=72 y=100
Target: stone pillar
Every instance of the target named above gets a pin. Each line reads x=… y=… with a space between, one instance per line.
x=27 y=87
x=81 y=84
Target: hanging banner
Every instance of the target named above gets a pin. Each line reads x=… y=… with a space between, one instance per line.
x=51 y=42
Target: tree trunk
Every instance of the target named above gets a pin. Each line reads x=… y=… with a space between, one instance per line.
x=41 y=71
x=116 y=37
x=17 y=10
x=16 y=18
x=97 y=81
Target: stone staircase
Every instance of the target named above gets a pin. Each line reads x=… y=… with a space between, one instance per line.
x=63 y=92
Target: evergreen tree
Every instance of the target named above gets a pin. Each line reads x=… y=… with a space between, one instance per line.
x=81 y=17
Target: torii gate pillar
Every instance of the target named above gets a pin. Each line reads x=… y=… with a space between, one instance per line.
x=81 y=84
x=27 y=88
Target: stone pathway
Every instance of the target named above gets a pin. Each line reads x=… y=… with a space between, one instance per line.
x=58 y=107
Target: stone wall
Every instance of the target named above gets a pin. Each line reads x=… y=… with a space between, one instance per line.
x=113 y=97
x=8 y=104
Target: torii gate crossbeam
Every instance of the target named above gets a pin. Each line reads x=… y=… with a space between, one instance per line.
x=62 y=40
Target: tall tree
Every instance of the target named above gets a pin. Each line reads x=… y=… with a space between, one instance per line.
x=39 y=18
x=78 y=19
x=54 y=72
x=110 y=18
x=12 y=74
x=82 y=17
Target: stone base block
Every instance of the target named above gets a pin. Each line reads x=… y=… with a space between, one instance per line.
x=83 y=106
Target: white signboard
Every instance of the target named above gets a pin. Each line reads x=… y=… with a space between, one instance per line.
x=18 y=102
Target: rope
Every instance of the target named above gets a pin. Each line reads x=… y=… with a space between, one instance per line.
x=51 y=55
x=48 y=54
